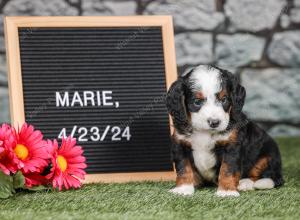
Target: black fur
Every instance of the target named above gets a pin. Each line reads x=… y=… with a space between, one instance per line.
x=176 y=106
x=252 y=142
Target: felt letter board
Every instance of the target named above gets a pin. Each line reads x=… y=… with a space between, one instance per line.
x=102 y=80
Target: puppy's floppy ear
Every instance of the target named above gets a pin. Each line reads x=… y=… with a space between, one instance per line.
x=238 y=95
x=176 y=106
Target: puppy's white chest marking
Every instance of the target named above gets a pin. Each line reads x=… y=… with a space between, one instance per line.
x=204 y=158
x=203 y=144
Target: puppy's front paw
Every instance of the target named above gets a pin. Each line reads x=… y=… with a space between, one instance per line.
x=184 y=190
x=227 y=193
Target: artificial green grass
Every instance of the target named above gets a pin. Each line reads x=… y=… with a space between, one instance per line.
x=152 y=201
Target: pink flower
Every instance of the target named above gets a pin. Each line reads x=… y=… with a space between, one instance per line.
x=30 y=149
x=8 y=159
x=68 y=164
x=34 y=179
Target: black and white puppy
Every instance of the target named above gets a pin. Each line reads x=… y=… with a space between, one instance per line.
x=213 y=141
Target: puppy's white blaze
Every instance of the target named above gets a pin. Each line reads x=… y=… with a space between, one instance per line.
x=227 y=193
x=185 y=190
x=245 y=185
x=207 y=80
x=265 y=183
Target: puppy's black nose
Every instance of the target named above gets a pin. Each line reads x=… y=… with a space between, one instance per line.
x=213 y=123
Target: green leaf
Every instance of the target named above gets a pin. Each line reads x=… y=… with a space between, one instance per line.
x=19 y=183
x=19 y=180
x=37 y=188
x=6 y=186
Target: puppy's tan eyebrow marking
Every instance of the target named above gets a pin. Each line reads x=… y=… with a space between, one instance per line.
x=199 y=95
x=221 y=94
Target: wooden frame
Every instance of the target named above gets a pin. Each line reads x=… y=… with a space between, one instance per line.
x=15 y=73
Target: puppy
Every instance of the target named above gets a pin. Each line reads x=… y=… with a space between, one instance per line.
x=213 y=141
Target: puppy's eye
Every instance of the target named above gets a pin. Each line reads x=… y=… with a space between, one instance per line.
x=198 y=102
x=224 y=99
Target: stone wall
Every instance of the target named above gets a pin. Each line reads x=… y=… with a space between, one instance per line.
x=257 y=40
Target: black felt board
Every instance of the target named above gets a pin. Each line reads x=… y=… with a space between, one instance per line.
x=129 y=62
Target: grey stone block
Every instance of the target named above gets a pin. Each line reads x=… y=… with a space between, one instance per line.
x=2 y=44
x=96 y=7
x=231 y=69
x=39 y=7
x=1 y=25
x=295 y=15
x=253 y=15
x=285 y=21
x=238 y=49
x=285 y=48
x=3 y=75
x=284 y=131
x=193 y=48
x=4 y=113
x=272 y=94
x=189 y=14
x=297 y=3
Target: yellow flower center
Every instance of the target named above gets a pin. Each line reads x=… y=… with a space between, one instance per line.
x=62 y=163
x=21 y=151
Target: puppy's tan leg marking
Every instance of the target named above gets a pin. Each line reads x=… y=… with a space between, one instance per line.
x=258 y=168
x=186 y=182
x=228 y=182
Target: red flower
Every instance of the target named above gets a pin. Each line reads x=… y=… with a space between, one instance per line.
x=30 y=149
x=68 y=164
x=8 y=159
